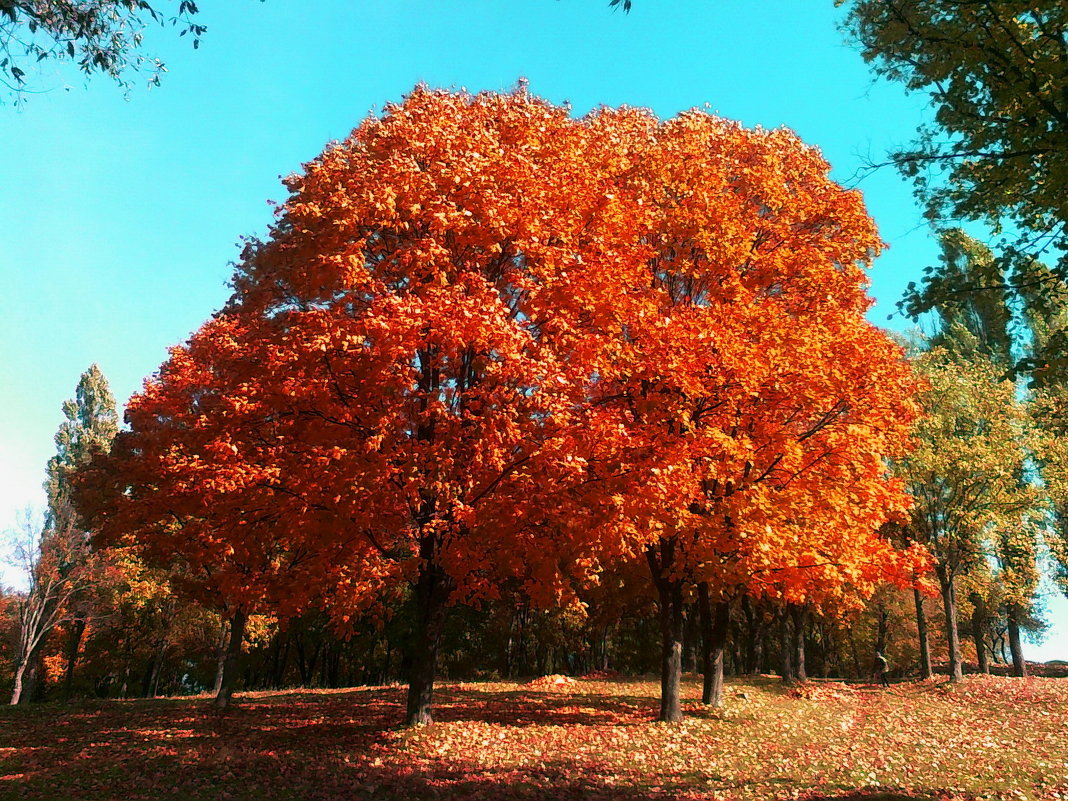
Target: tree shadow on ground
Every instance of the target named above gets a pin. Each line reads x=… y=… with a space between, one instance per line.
x=334 y=746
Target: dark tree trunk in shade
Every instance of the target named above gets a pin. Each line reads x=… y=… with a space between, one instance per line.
x=925 y=641
x=432 y=591
x=714 y=622
x=882 y=633
x=1019 y=665
x=229 y=659
x=224 y=637
x=789 y=676
x=672 y=624
x=979 y=632
x=751 y=636
x=74 y=644
x=798 y=616
x=949 y=601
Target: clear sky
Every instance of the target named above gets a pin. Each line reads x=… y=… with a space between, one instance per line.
x=122 y=215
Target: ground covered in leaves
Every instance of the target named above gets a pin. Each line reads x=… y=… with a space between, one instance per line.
x=991 y=737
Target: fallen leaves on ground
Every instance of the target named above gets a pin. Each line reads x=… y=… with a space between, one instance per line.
x=988 y=738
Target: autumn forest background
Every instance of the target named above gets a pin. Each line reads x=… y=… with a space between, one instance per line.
x=523 y=427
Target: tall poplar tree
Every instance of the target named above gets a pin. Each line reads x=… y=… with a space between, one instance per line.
x=61 y=567
x=1047 y=318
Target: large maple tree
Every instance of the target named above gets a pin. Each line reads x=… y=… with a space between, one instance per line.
x=488 y=340
x=756 y=405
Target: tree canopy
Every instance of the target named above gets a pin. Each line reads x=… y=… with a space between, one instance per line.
x=997 y=150
x=487 y=341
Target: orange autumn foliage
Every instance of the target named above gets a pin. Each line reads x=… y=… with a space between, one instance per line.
x=486 y=339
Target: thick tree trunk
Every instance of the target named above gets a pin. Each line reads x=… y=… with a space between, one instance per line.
x=228 y=661
x=925 y=641
x=979 y=627
x=28 y=670
x=797 y=614
x=29 y=687
x=672 y=623
x=431 y=598
x=713 y=638
x=1019 y=665
x=19 y=694
x=949 y=601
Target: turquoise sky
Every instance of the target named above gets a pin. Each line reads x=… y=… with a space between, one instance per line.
x=122 y=215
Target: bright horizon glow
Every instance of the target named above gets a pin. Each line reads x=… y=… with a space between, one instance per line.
x=124 y=215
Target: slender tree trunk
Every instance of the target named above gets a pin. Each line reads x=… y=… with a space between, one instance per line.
x=283 y=663
x=797 y=614
x=750 y=636
x=1019 y=665
x=820 y=641
x=157 y=669
x=672 y=624
x=925 y=640
x=713 y=638
x=220 y=651
x=74 y=643
x=883 y=629
x=509 y=650
x=786 y=660
x=150 y=686
x=949 y=601
x=979 y=627
x=228 y=660
x=858 y=670
x=431 y=596
x=150 y=671
x=691 y=643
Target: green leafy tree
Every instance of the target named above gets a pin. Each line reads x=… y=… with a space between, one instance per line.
x=1016 y=549
x=60 y=563
x=964 y=473
x=98 y=36
x=997 y=150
